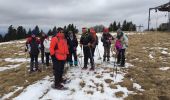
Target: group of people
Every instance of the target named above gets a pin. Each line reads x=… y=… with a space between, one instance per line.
x=62 y=47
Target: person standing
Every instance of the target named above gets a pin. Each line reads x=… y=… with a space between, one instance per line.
x=47 y=49
x=86 y=41
x=59 y=52
x=124 y=42
x=107 y=39
x=95 y=43
x=43 y=36
x=72 y=45
x=33 y=46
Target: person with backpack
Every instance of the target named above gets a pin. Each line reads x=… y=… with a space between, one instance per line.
x=124 y=43
x=47 y=49
x=86 y=41
x=43 y=36
x=33 y=46
x=72 y=45
x=58 y=52
x=107 y=39
x=95 y=43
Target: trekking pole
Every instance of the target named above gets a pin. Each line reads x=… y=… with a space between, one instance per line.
x=26 y=56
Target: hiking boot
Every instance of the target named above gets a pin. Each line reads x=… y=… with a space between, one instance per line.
x=84 y=68
x=108 y=59
x=104 y=59
x=71 y=65
x=75 y=63
x=92 y=69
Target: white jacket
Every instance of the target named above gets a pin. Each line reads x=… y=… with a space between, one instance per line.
x=47 y=45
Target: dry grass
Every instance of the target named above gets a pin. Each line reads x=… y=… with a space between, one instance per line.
x=119 y=94
x=146 y=72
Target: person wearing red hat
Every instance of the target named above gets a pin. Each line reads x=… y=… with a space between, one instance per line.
x=107 y=39
x=95 y=43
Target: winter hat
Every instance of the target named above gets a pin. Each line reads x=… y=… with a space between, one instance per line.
x=106 y=30
x=119 y=30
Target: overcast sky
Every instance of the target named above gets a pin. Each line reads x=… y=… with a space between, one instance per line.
x=49 y=13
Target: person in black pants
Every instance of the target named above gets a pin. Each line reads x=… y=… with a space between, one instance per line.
x=86 y=41
x=47 y=49
x=43 y=36
x=32 y=46
x=124 y=43
x=72 y=45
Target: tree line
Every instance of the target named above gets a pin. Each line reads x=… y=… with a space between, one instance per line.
x=21 y=33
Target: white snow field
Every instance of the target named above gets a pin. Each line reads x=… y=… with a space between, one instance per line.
x=84 y=85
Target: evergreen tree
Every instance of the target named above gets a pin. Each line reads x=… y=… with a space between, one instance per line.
x=54 y=30
x=118 y=26
x=124 y=26
x=114 y=26
x=37 y=31
x=11 y=35
x=21 y=32
x=1 y=38
x=111 y=27
x=50 y=33
x=29 y=32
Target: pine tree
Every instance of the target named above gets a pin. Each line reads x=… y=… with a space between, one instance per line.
x=21 y=32
x=37 y=31
x=54 y=30
x=119 y=26
x=1 y=38
x=29 y=32
x=124 y=26
x=114 y=26
x=111 y=27
x=50 y=33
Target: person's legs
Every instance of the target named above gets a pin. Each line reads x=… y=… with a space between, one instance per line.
x=75 y=58
x=42 y=55
x=70 y=59
x=108 y=53
x=47 y=58
x=123 y=58
x=36 y=62
x=105 y=51
x=85 y=51
x=91 y=58
x=31 y=63
x=119 y=56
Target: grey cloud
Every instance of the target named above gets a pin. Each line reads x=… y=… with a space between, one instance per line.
x=80 y=12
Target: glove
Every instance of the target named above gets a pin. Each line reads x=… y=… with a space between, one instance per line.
x=53 y=57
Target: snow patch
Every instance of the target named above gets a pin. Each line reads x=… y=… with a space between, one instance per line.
x=164 y=52
x=164 y=68
x=11 y=93
x=9 y=67
x=137 y=86
x=150 y=56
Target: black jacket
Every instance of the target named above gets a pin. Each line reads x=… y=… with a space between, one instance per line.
x=106 y=39
x=86 y=38
x=72 y=43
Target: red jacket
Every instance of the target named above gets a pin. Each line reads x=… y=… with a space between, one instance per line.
x=59 y=47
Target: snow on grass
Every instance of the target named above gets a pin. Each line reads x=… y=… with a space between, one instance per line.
x=85 y=84
x=150 y=56
x=11 y=42
x=35 y=91
x=137 y=86
x=9 y=67
x=164 y=68
x=6 y=96
x=19 y=59
x=164 y=52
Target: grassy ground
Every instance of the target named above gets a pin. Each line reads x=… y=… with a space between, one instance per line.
x=146 y=71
